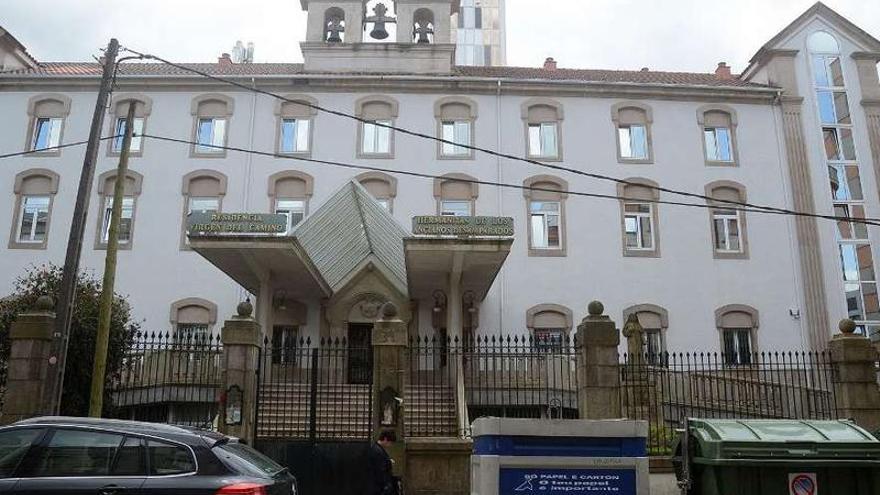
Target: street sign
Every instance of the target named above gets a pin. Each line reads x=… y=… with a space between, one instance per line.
x=803 y=484
x=527 y=481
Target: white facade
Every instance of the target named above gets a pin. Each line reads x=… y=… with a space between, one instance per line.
x=684 y=276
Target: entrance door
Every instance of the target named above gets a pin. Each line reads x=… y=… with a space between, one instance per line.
x=360 y=353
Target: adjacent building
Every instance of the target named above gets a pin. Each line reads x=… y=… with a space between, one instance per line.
x=798 y=129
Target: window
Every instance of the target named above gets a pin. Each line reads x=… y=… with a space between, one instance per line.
x=718 y=123
x=47 y=113
x=125 y=224
x=14 y=444
x=545 y=202
x=632 y=122
x=294 y=136
x=728 y=225
x=655 y=322
x=456 y=116
x=455 y=195
x=188 y=332
x=119 y=105
x=859 y=281
x=131 y=190
x=136 y=139
x=545 y=225
x=76 y=453
x=192 y=319
x=376 y=137
x=543 y=118
x=284 y=344
x=289 y=192
x=549 y=325
x=167 y=459
x=211 y=113
x=34 y=190
x=203 y=191
x=130 y=459
x=295 y=116
x=737 y=325
x=639 y=217
x=381 y=186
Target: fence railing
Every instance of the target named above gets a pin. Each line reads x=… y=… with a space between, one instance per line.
x=173 y=379
x=315 y=390
x=666 y=388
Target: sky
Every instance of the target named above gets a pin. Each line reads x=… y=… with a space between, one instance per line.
x=679 y=35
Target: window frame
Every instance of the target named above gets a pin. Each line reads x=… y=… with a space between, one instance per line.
x=107 y=212
x=181 y=305
x=305 y=195
x=638 y=190
x=187 y=194
x=702 y=112
x=300 y=108
x=619 y=122
x=119 y=111
x=711 y=191
x=747 y=320
x=447 y=110
x=662 y=315
x=546 y=235
x=553 y=190
x=530 y=112
x=471 y=196
x=105 y=181
x=564 y=313
x=375 y=109
x=200 y=110
x=35 y=113
x=287 y=211
x=638 y=216
x=389 y=181
x=21 y=189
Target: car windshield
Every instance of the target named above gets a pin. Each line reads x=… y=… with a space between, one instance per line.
x=245 y=460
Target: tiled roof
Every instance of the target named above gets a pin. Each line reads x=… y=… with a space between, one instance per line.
x=61 y=69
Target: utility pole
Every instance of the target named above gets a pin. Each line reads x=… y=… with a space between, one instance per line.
x=51 y=399
x=105 y=308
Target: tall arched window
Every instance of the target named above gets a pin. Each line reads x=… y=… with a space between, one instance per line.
x=550 y=326
x=545 y=203
x=203 y=191
x=381 y=186
x=456 y=195
x=131 y=191
x=192 y=319
x=119 y=112
x=729 y=234
x=211 y=115
x=640 y=217
x=35 y=191
x=737 y=325
x=47 y=113
x=290 y=192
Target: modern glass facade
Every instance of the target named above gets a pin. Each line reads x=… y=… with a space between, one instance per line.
x=478 y=31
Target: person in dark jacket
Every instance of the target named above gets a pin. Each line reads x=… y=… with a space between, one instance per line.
x=381 y=465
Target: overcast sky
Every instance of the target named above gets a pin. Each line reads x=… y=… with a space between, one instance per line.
x=685 y=35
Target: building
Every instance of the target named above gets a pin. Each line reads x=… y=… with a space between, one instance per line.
x=479 y=32
x=798 y=129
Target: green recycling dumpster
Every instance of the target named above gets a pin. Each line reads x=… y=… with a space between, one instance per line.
x=779 y=457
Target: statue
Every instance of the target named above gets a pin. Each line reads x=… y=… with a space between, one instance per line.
x=633 y=332
x=379 y=20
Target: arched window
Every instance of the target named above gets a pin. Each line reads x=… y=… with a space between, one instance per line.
x=211 y=114
x=423 y=26
x=550 y=325
x=376 y=140
x=334 y=25
x=455 y=122
x=543 y=122
x=119 y=112
x=131 y=191
x=640 y=217
x=718 y=123
x=738 y=328
x=456 y=195
x=203 y=191
x=192 y=319
x=35 y=191
x=381 y=186
x=295 y=124
x=290 y=192
x=47 y=113
x=654 y=321
x=545 y=206
x=729 y=239
x=632 y=123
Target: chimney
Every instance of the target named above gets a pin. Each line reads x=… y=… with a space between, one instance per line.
x=645 y=69
x=225 y=60
x=550 y=64
x=723 y=71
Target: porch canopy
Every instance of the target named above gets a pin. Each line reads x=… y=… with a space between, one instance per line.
x=330 y=251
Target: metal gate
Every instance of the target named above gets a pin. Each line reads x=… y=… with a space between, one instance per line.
x=313 y=410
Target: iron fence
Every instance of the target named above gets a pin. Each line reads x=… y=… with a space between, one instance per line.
x=314 y=390
x=169 y=378
x=666 y=388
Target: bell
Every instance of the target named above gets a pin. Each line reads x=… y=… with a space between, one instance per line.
x=379 y=20
x=334 y=27
x=422 y=32
x=334 y=38
x=379 y=32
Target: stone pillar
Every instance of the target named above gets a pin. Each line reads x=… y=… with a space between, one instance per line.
x=855 y=385
x=869 y=83
x=598 y=370
x=30 y=340
x=389 y=380
x=241 y=345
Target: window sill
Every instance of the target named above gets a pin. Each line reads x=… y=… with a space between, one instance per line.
x=716 y=163
x=375 y=156
x=44 y=154
x=726 y=255
x=198 y=154
x=465 y=157
x=635 y=161
x=301 y=154
x=545 y=158
x=28 y=245
x=102 y=246
x=641 y=253
x=547 y=253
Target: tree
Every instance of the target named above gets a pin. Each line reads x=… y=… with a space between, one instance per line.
x=45 y=280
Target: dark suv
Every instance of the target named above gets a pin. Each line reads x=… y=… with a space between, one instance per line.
x=62 y=456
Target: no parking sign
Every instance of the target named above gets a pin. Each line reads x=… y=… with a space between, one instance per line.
x=802 y=484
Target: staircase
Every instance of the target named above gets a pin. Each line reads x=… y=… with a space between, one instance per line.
x=343 y=411
x=430 y=411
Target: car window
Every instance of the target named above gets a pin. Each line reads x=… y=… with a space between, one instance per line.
x=76 y=453
x=167 y=458
x=14 y=444
x=130 y=458
x=243 y=459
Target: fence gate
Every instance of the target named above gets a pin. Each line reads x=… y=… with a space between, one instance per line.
x=314 y=412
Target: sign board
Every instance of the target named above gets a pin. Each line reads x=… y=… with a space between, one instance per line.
x=526 y=481
x=463 y=226
x=802 y=484
x=256 y=224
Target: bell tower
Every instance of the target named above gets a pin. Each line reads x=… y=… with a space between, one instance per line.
x=381 y=36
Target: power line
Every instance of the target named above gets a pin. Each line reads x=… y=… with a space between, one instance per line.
x=496 y=184
x=508 y=156
x=51 y=148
